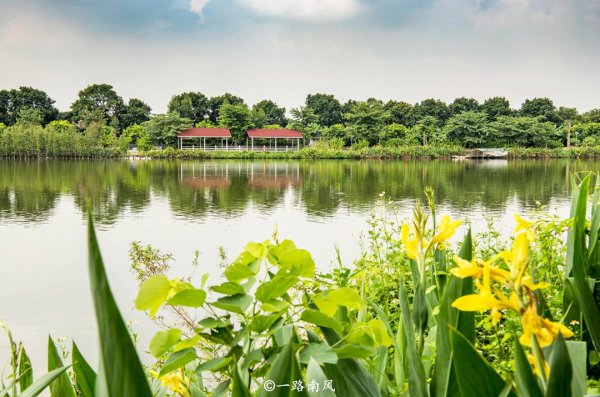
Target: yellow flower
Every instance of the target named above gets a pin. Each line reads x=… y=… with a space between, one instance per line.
x=485 y=300
x=446 y=229
x=545 y=331
x=176 y=383
x=517 y=257
x=410 y=245
x=525 y=226
x=536 y=368
x=474 y=269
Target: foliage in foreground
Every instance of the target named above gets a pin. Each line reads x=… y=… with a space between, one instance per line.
x=275 y=326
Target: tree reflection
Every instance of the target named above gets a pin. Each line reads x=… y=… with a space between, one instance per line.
x=30 y=190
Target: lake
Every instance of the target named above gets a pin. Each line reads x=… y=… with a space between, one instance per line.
x=183 y=206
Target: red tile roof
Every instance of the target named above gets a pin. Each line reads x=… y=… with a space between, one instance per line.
x=205 y=133
x=272 y=133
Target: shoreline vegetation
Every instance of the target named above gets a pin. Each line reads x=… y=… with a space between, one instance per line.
x=100 y=124
x=415 y=315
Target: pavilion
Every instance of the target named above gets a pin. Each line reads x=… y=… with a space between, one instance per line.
x=272 y=135
x=216 y=135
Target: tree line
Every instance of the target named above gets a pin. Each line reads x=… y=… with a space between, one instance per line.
x=322 y=117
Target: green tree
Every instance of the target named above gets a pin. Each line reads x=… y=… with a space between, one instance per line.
x=306 y=121
x=163 y=128
x=540 y=107
x=496 y=107
x=468 y=128
x=430 y=107
x=4 y=104
x=593 y=116
x=427 y=132
x=191 y=105
x=524 y=131
x=368 y=118
x=237 y=118
x=395 y=131
x=399 y=112
x=14 y=101
x=30 y=116
x=100 y=100
x=326 y=107
x=567 y=117
x=215 y=103
x=269 y=113
x=464 y=104
x=136 y=112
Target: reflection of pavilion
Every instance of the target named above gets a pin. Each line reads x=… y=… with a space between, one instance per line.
x=258 y=175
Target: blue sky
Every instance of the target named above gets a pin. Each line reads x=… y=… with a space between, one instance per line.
x=284 y=49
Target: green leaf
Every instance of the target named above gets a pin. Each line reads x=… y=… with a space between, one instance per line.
x=276 y=251
x=258 y=250
x=236 y=303
x=527 y=383
x=261 y=322
x=354 y=351
x=275 y=287
x=347 y=297
x=417 y=385
x=25 y=373
x=239 y=388
x=444 y=381
x=576 y=261
x=85 y=377
x=245 y=266
x=162 y=341
x=475 y=376
x=320 y=352
x=190 y=342
x=177 y=360
x=275 y=305
x=40 y=384
x=211 y=322
x=285 y=370
x=315 y=373
x=153 y=293
x=577 y=352
x=297 y=262
x=321 y=319
x=214 y=364
x=61 y=387
x=121 y=371
x=229 y=288
x=561 y=370
x=188 y=297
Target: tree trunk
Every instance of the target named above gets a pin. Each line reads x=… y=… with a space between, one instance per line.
x=568 y=134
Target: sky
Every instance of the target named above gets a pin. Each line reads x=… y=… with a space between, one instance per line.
x=283 y=50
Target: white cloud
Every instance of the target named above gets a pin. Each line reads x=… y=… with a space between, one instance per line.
x=196 y=6
x=305 y=10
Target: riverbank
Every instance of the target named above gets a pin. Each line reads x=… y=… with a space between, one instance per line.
x=80 y=150
x=376 y=152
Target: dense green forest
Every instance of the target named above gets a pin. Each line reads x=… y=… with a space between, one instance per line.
x=101 y=123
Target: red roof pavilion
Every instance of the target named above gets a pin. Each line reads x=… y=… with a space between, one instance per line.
x=205 y=133
x=274 y=133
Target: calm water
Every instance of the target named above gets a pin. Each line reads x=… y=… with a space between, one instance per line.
x=185 y=206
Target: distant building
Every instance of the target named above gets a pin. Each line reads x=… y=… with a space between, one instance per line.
x=217 y=138
x=288 y=139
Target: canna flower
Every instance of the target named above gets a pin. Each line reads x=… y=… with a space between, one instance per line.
x=446 y=229
x=174 y=382
x=474 y=269
x=536 y=368
x=545 y=331
x=485 y=300
x=411 y=245
x=525 y=226
x=517 y=258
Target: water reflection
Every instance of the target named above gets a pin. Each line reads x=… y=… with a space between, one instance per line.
x=30 y=190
